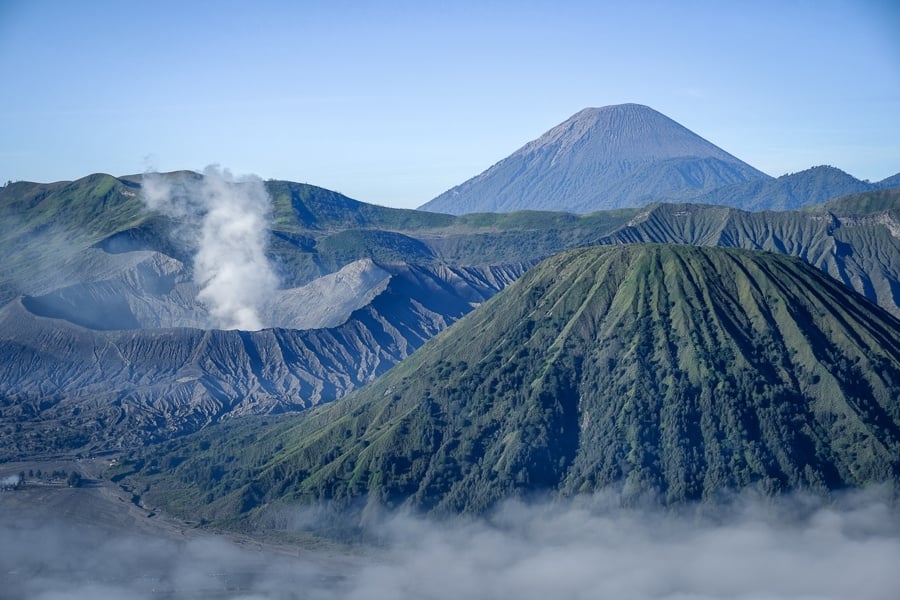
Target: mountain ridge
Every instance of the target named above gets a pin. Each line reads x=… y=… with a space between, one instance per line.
x=439 y=266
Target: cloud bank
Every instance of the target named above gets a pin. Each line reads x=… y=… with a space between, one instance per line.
x=790 y=549
x=754 y=550
x=228 y=221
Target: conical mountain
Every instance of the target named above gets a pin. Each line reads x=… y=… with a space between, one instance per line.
x=675 y=372
x=601 y=158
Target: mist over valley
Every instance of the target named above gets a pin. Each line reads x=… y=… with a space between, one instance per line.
x=89 y=543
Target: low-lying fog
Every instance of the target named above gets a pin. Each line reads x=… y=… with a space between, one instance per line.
x=752 y=549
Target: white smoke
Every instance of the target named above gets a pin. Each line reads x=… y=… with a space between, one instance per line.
x=229 y=220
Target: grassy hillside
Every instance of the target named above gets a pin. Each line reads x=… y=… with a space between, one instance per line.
x=44 y=225
x=94 y=206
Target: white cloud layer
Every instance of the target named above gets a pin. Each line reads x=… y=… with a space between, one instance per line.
x=754 y=549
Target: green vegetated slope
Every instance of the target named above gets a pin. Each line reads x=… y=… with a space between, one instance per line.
x=675 y=372
x=43 y=223
x=94 y=206
x=317 y=231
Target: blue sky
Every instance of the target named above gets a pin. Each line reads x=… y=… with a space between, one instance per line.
x=394 y=102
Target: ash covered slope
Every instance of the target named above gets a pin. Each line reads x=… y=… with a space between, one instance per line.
x=70 y=387
x=679 y=372
x=600 y=158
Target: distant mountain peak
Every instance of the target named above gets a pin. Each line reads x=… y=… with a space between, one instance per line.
x=791 y=191
x=600 y=158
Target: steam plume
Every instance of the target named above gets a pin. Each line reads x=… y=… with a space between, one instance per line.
x=228 y=220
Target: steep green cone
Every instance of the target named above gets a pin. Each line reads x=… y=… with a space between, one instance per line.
x=677 y=372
